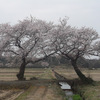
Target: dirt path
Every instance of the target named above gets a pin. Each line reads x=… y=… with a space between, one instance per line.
x=42 y=93
x=9 y=94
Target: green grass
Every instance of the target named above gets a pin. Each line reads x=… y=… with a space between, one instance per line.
x=76 y=97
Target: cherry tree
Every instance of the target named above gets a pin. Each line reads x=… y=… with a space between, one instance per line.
x=30 y=39
x=5 y=30
x=96 y=49
x=74 y=43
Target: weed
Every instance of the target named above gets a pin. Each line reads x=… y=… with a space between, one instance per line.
x=76 y=97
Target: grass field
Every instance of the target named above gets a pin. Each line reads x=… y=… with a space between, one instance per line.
x=44 y=88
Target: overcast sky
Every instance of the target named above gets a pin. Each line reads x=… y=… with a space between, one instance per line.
x=80 y=12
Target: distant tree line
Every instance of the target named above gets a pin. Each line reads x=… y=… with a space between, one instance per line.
x=51 y=61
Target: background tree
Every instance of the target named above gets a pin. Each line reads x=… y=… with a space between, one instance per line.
x=5 y=30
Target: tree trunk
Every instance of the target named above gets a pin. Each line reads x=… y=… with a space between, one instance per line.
x=20 y=75
x=80 y=74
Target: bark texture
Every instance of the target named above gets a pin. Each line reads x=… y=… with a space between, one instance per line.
x=80 y=74
x=20 y=75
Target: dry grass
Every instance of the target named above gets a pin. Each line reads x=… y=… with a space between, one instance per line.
x=90 y=92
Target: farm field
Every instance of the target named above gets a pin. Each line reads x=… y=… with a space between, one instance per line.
x=70 y=73
x=45 y=87
x=8 y=74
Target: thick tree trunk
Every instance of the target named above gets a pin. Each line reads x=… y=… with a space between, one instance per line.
x=20 y=75
x=80 y=74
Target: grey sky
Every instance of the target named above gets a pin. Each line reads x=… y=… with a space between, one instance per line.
x=80 y=12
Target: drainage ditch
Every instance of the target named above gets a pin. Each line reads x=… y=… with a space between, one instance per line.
x=66 y=87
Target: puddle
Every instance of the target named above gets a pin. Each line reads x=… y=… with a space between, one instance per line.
x=65 y=86
x=67 y=89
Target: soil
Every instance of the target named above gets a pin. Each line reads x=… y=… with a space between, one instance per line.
x=9 y=94
x=37 y=90
x=43 y=93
